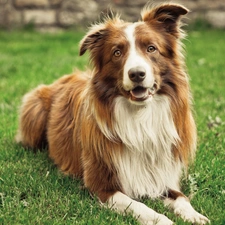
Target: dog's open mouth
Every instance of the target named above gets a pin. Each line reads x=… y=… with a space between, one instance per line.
x=141 y=93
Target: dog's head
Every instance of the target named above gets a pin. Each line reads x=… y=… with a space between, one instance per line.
x=137 y=60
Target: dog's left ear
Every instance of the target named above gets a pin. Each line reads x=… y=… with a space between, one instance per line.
x=92 y=39
x=166 y=15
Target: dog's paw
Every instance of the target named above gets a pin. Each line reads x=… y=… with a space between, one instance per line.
x=194 y=217
x=163 y=220
x=188 y=213
x=158 y=219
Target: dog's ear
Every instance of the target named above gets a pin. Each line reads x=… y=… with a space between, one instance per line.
x=166 y=15
x=93 y=38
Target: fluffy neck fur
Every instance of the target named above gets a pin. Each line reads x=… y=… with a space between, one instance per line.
x=146 y=165
x=142 y=128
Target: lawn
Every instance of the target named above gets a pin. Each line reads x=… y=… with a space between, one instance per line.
x=33 y=191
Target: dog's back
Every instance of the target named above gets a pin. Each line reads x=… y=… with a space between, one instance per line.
x=47 y=119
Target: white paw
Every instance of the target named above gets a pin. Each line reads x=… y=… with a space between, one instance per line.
x=162 y=220
x=193 y=217
x=187 y=213
x=158 y=219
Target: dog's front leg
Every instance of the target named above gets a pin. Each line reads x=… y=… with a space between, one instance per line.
x=183 y=208
x=146 y=216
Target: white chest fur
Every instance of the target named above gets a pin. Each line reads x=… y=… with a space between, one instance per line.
x=146 y=166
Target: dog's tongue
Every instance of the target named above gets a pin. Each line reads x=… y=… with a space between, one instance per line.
x=139 y=93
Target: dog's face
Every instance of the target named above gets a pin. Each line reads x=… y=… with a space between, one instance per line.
x=135 y=60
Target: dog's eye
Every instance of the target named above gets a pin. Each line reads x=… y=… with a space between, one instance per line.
x=151 y=49
x=117 y=53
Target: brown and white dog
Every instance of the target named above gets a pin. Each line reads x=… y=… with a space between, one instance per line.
x=126 y=127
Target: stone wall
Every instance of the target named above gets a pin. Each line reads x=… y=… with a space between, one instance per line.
x=59 y=14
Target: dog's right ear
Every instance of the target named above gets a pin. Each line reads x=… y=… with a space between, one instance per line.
x=166 y=15
x=93 y=38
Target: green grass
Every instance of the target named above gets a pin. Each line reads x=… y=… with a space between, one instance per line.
x=33 y=191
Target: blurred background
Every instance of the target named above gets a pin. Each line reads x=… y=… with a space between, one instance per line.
x=53 y=15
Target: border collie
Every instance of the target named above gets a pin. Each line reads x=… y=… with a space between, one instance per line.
x=126 y=126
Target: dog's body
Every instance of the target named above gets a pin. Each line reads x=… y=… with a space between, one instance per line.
x=126 y=128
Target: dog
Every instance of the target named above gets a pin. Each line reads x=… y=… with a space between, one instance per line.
x=125 y=126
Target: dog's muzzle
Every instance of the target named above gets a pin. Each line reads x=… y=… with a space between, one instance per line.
x=140 y=91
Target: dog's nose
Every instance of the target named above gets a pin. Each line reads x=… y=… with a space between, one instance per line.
x=137 y=74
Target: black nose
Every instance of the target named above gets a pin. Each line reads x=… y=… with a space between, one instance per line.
x=137 y=74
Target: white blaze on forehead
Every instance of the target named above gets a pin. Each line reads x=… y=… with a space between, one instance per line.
x=135 y=59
